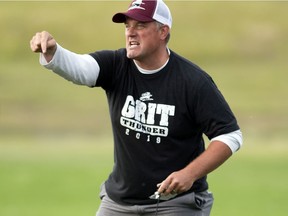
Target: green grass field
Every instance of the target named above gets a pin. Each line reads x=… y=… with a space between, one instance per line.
x=55 y=138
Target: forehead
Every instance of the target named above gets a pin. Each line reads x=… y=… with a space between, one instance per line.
x=130 y=20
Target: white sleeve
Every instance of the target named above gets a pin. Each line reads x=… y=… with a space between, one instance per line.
x=77 y=68
x=233 y=140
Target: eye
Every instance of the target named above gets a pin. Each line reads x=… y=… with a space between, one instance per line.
x=137 y=26
x=140 y=26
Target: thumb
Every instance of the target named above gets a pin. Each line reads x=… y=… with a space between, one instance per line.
x=47 y=42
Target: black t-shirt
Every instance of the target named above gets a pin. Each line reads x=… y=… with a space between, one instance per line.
x=158 y=121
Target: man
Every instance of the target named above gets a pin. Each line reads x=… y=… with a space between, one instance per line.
x=160 y=106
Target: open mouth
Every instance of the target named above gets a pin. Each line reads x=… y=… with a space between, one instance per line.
x=133 y=44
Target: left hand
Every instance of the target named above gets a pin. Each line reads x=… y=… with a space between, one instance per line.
x=177 y=182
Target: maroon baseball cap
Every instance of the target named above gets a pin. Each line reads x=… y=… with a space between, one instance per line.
x=146 y=11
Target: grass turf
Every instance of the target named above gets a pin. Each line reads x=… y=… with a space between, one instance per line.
x=55 y=139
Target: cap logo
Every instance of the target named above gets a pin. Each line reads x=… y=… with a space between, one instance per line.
x=137 y=5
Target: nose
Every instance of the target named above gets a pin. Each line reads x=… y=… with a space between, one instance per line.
x=130 y=31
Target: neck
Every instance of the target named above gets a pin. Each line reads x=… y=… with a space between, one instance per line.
x=144 y=71
x=155 y=61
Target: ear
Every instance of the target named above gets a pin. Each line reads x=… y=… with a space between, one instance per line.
x=164 y=31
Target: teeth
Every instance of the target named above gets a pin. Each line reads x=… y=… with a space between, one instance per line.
x=134 y=43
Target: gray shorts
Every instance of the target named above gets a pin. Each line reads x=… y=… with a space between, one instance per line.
x=191 y=204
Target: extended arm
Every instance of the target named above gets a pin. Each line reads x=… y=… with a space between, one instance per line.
x=77 y=68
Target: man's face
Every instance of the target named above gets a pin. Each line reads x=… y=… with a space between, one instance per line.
x=142 y=39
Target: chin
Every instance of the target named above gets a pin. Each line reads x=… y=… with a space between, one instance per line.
x=131 y=56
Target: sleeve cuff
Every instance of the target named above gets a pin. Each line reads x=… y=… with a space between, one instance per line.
x=233 y=140
x=49 y=65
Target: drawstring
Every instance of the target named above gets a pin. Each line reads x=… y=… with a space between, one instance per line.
x=157 y=206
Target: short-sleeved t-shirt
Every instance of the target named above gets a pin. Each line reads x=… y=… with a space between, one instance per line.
x=158 y=122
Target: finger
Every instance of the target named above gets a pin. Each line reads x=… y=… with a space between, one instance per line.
x=48 y=43
x=44 y=41
x=35 y=43
x=172 y=187
x=164 y=186
x=32 y=45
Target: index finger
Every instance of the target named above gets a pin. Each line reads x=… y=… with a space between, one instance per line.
x=44 y=41
x=163 y=186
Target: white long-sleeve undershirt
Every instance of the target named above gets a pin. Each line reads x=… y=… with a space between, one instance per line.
x=83 y=69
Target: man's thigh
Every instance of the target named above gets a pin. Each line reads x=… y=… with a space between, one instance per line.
x=110 y=208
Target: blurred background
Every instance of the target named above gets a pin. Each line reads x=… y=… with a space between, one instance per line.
x=55 y=137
